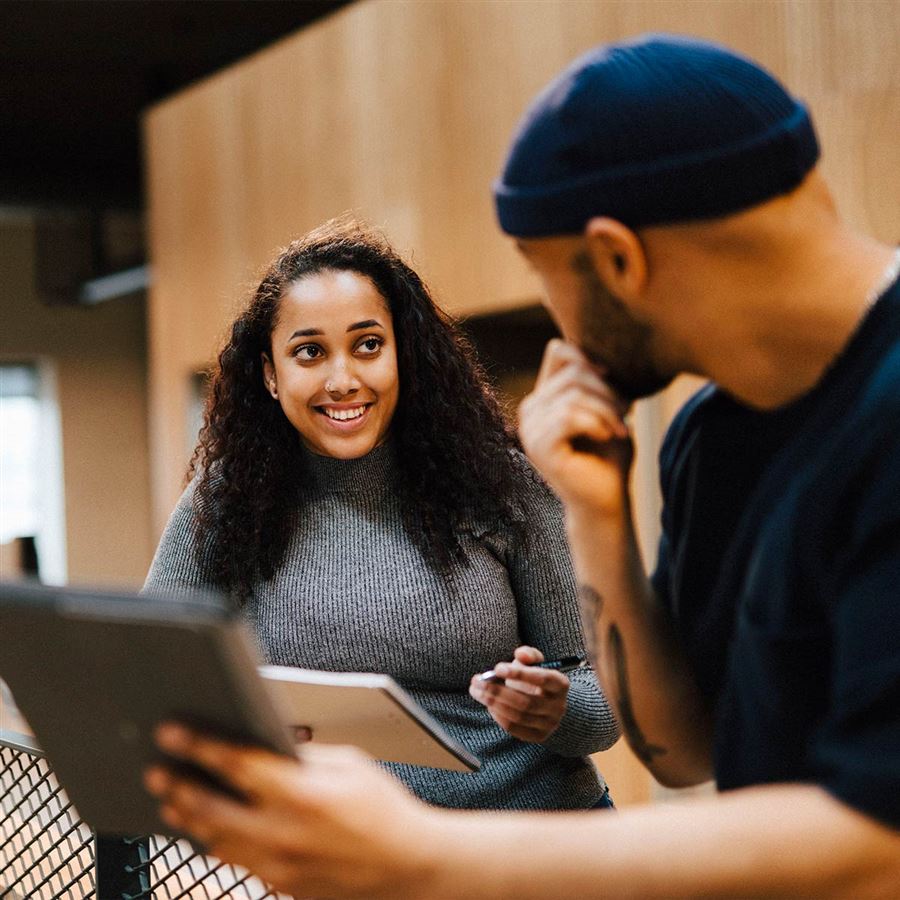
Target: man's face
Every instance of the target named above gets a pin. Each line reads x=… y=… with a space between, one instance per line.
x=594 y=319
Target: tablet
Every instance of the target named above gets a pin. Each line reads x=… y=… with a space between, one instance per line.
x=94 y=672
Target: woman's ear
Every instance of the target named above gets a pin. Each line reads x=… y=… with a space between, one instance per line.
x=269 y=376
x=618 y=257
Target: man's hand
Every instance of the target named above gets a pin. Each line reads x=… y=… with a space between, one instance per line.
x=332 y=825
x=331 y=822
x=531 y=702
x=572 y=429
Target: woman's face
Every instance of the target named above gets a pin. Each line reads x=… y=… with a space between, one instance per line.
x=333 y=368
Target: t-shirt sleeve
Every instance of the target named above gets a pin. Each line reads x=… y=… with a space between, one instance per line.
x=670 y=452
x=660 y=578
x=857 y=749
x=541 y=576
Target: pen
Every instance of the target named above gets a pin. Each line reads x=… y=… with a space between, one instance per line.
x=564 y=664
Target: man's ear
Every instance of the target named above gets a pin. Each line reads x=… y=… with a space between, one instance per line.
x=269 y=376
x=618 y=256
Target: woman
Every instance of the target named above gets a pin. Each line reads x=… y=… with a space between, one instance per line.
x=356 y=488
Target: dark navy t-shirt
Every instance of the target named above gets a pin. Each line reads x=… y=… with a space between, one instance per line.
x=780 y=565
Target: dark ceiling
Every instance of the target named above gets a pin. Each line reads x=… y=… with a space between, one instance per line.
x=75 y=76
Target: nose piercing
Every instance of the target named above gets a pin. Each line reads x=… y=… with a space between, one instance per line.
x=330 y=388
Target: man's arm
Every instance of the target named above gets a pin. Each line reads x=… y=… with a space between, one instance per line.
x=642 y=669
x=572 y=429
x=334 y=825
x=774 y=841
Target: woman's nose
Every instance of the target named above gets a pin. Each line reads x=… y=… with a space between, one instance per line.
x=341 y=381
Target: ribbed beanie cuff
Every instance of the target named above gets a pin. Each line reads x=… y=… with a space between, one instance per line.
x=662 y=129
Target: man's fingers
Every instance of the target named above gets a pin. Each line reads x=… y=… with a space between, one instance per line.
x=567 y=385
x=570 y=399
x=251 y=770
x=213 y=817
x=187 y=806
x=583 y=375
x=557 y=353
x=582 y=418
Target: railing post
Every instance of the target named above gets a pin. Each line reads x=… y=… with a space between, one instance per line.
x=121 y=870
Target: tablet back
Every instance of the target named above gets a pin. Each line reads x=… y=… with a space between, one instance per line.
x=93 y=673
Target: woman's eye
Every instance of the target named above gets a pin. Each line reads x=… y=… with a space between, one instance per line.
x=308 y=351
x=370 y=345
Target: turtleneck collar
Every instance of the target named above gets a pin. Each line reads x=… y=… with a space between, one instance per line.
x=329 y=475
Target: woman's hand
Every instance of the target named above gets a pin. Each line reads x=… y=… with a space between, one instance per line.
x=329 y=824
x=530 y=702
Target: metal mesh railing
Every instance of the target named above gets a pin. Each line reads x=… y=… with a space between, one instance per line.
x=46 y=852
x=177 y=872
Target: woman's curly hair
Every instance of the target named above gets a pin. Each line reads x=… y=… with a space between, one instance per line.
x=451 y=440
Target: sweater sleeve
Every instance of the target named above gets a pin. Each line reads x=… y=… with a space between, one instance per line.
x=541 y=576
x=177 y=566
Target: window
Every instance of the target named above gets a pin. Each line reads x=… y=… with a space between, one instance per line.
x=31 y=494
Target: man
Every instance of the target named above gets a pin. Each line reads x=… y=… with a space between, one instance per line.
x=665 y=192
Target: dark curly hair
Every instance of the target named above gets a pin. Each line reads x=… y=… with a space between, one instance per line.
x=449 y=435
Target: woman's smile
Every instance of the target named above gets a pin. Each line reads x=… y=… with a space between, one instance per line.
x=345 y=417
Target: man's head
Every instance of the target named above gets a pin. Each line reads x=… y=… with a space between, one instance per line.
x=617 y=339
x=632 y=137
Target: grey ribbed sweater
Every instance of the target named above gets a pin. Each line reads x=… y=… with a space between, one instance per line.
x=355 y=594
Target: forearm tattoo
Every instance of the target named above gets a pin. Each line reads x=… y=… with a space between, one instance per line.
x=643 y=749
x=591 y=605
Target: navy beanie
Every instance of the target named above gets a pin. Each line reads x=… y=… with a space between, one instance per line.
x=655 y=130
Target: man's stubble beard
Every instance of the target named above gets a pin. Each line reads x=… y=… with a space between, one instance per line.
x=614 y=340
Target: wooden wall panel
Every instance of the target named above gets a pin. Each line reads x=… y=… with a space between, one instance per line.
x=401 y=110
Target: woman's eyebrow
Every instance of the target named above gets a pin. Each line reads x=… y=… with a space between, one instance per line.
x=306 y=332
x=356 y=326
x=369 y=323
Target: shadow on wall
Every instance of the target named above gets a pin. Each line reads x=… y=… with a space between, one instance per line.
x=510 y=346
